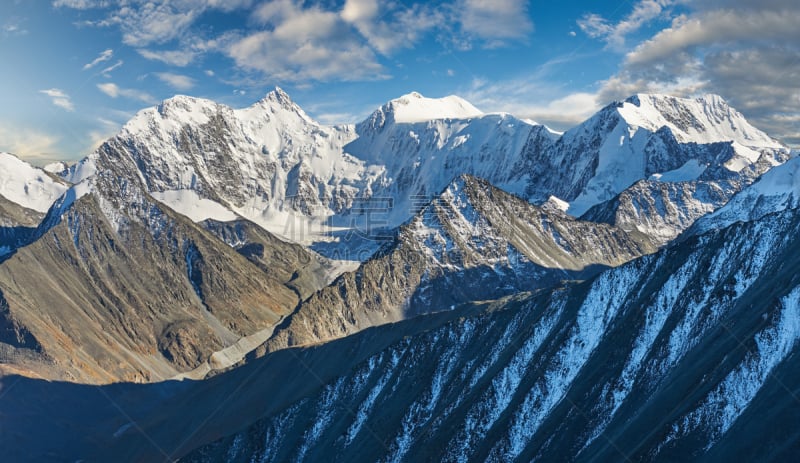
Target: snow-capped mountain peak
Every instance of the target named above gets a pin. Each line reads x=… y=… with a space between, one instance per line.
x=414 y=107
x=706 y=119
x=278 y=101
x=272 y=164
x=172 y=114
x=667 y=138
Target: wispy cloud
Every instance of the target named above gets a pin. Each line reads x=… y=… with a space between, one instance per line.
x=59 y=98
x=105 y=129
x=176 y=81
x=532 y=98
x=114 y=91
x=107 y=71
x=615 y=35
x=144 y=23
x=178 y=58
x=13 y=27
x=80 y=4
x=303 y=42
x=105 y=55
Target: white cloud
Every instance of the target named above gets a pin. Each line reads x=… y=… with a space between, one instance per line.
x=302 y=42
x=105 y=130
x=716 y=28
x=59 y=98
x=109 y=89
x=595 y=26
x=105 y=55
x=310 y=43
x=176 y=81
x=178 y=58
x=80 y=4
x=27 y=143
x=151 y=23
x=530 y=97
x=495 y=20
x=387 y=26
x=565 y=112
x=614 y=35
x=299 y=44
x=144 y=22
x=13 y=27
x=114 y=91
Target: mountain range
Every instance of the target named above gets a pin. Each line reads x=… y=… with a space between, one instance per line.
x=432 y=283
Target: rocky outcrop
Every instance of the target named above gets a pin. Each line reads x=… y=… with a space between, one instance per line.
x=690 y=353
x=473 y=242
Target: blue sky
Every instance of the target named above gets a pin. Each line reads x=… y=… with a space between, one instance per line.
x=73 y=71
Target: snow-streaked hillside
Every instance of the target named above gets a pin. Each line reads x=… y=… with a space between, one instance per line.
x=690 y=353
x=775 y=191
x=472 y=242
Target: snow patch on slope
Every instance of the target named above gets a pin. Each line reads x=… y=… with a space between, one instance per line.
x=691 y=170
x=26 y=185
x=188 y=203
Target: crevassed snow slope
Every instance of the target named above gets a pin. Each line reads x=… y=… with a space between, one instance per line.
x=706 y=119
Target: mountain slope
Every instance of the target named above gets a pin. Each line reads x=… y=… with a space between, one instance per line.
x=119 y=287
x=474 y=242
x=688 y=353
x=673 y=356
x=776 y=190
x=26 y=193
x=664 y=209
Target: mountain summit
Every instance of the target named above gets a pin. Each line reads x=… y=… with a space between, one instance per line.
x=274 y=165
x=706 y=119
x=414 y=107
